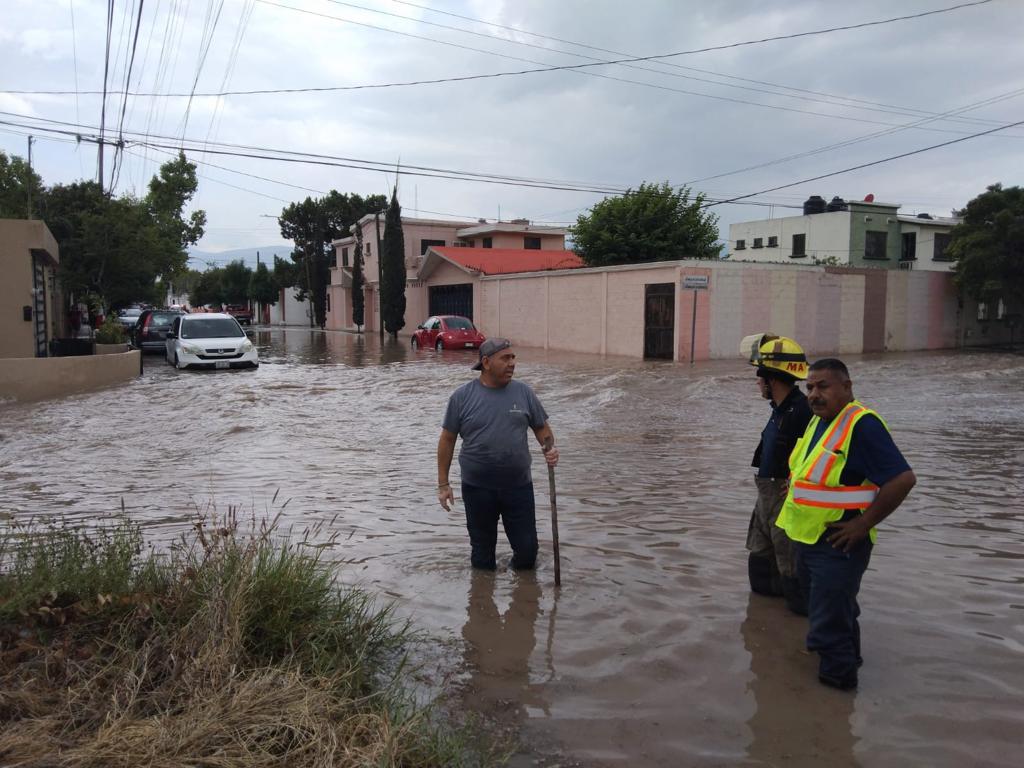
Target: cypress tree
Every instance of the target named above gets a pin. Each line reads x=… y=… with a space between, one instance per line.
x=392 y=260
x=358 y=299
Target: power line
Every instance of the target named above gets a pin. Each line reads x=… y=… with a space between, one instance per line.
x=874 y=107
x=868 y=165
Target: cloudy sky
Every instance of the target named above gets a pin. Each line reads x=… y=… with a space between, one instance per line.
x=728 y=122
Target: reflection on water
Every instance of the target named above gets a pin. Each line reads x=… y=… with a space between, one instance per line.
x=659 y=657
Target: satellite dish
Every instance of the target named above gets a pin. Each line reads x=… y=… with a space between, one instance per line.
x=869 y=198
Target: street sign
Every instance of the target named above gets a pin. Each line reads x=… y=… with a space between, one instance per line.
x=695 y=282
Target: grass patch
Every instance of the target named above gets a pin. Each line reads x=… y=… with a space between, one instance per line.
x=231 y=649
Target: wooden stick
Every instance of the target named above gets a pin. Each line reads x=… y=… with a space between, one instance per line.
x=554 y=526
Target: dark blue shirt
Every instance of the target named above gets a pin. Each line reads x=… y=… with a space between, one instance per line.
x=873 y=454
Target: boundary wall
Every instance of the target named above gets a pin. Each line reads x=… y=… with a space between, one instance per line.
x=828 y=310
x=26 y=379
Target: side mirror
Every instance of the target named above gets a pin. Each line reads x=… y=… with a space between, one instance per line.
x=419 y=327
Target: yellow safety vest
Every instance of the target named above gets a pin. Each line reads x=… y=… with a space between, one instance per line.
x=815 y=497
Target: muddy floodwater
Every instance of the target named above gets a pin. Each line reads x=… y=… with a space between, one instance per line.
x=652 y=653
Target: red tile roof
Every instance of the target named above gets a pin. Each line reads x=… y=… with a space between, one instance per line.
x=503 y=261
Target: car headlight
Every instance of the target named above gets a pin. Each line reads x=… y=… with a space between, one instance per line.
x=191 y=349
x=247 y=346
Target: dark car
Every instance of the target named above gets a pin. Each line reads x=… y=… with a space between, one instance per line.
x=447 y=332
x=150 y=333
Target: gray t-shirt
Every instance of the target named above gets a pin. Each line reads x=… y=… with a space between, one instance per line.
x=493 y=423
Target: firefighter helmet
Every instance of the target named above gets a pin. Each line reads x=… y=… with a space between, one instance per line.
x=780 y=354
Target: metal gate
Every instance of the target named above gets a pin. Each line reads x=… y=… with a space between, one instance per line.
x=659 y=320
x=452 y=300
x=39 y=303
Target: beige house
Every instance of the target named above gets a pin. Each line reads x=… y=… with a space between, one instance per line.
x=528 y=246
x=30 y=306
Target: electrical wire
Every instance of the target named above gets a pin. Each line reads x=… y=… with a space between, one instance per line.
x=867 y=165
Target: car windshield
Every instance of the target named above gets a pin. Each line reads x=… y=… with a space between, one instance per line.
x=211 y=328
x=458 y=324
x=163 y=319
x=131 y=312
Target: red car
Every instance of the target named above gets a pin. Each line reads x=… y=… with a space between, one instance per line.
x=447 y=332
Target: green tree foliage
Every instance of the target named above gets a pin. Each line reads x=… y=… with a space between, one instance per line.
x=652 y=223
x=234 y=282
x=286 y=273
x=208 y=289
x=358 y=282
x=18 y=184
x=989 y=245
x=392 y=262
x=263 y=286
x=312 y=224
x=123 y=249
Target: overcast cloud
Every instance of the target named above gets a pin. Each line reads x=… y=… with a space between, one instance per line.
x=564 y=125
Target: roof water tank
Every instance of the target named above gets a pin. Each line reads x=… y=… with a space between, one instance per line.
x=814 y=204
x=836 y=204
x=924 y=215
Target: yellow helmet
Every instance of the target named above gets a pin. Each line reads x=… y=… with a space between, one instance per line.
x=777 y=353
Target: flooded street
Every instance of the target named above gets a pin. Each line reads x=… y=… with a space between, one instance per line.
x=653 y=653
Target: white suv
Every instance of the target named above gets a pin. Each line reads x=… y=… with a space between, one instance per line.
x=209 y=340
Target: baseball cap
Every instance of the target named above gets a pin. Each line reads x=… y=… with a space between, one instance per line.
x=491 y=347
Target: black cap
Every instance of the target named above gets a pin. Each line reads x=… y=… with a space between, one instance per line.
x=491 y=347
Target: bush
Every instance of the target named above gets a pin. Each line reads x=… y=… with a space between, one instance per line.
x=111 y=332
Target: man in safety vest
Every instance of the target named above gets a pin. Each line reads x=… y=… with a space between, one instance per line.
x=846 y=476
x=781 y=364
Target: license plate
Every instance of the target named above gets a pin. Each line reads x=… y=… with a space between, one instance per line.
x=222 y=364
x=469 y=344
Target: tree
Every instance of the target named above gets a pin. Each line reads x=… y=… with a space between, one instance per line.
x=124 y=249
x=263 y=287
x=19 y=184
x=312 y=225
x=208 y=289
x=652 y=223
x=234 y=282
x=358 y=281
x=392 y=262
x=988 y=245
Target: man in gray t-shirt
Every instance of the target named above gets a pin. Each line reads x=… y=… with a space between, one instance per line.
x=492 y=414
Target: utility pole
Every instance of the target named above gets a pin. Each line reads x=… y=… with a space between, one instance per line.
x=29 y=186
x=380 y=278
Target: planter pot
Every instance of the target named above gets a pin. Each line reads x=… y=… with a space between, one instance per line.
x=109 y=349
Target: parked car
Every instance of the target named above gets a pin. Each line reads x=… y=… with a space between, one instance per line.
x=151 y=328
x=240 y=312
x=447 y=332
x=209 y=340
x=129 y=317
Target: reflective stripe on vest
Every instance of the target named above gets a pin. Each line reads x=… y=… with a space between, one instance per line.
x=836 y=436
x=828 y=497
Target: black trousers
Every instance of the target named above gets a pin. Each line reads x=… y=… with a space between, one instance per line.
x=516 y=509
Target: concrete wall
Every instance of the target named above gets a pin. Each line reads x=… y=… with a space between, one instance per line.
x=41 y=378
x=289 y=310
x=828 y=310
x=18 y=239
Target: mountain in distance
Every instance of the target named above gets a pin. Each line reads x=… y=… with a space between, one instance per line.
x=203 y=260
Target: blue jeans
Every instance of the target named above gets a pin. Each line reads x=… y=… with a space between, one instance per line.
x=831 y=579
x=515 y=507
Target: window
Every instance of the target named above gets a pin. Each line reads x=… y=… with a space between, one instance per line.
x=773 y=242
x=367 y=250
x=487 y=242
x=344 y=257
x=327 y=302
x=759 y=242
x=908 y=249
x=531 y=243
x=799 y=246
x=424 y=244
x=875 y=245
x=942 y=240
x=741 y=245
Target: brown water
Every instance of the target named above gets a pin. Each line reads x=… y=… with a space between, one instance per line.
x=653 y=652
